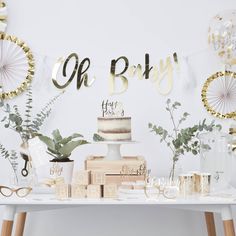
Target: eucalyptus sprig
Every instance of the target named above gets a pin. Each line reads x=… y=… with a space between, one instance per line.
x=97 y=138
x=26 y=126
x=181 y=140
x=11 y=156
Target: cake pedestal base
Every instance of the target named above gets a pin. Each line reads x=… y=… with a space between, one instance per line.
x=113 y=148
x=113 y=151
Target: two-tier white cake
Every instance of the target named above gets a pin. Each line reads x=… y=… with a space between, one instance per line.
x=114 y=128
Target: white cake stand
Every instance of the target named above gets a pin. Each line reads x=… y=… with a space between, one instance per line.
x=113 y=148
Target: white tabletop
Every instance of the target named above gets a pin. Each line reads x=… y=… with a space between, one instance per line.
x=49 y=199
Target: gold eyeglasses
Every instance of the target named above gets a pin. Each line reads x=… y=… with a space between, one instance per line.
x=20 y=192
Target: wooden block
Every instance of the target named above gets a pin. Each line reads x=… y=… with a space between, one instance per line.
x=131 y=163
x=98 y=177
x=138 y=186
x=118 y=179
x=127 y=185
x=81 y=177
x=94 y=191
x=49 y=182
x=78 y=191
x=62 y=191
x=110 y=191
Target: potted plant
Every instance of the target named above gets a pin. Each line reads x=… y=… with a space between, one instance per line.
x=60 y=149
x=181 y=140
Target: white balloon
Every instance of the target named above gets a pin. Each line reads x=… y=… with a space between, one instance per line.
x=222 y=36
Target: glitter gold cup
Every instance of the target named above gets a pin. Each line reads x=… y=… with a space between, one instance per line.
x=202 y=183
x=194 y=173
x=186 y=184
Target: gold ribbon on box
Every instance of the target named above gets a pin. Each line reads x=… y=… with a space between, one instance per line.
x=3 y=17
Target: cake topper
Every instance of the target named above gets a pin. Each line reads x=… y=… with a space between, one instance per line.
x=112 y=108
x=141 y=170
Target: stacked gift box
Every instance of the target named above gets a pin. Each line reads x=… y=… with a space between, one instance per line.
x=102 y=177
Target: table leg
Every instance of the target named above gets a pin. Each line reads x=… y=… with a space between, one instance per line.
x=8 y=219
x=226 y=215
x=210 y=223
x=20 y=224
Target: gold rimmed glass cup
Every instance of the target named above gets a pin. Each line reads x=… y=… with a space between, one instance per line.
x=161 y=186
x=203 y=183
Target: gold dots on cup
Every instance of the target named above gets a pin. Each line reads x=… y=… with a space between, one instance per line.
x=186 y=185
x=202 y=183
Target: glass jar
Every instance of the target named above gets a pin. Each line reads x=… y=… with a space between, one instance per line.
x=27 y=176
x=216 y=158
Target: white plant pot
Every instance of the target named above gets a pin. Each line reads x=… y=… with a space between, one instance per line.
x=62 y=169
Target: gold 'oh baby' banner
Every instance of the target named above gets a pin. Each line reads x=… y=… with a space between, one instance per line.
x=157 y=74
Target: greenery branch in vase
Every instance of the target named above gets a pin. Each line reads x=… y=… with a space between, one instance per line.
x=25 y=125
x=181 y=140
x=11 y=156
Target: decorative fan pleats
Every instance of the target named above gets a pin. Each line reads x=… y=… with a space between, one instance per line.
x=219 y=94
x=16 y=66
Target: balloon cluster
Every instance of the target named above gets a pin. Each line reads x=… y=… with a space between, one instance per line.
x=222 y=36
x=3 y=17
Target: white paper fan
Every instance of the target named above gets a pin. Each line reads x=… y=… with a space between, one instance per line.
x=219 y=94
x=16 y=66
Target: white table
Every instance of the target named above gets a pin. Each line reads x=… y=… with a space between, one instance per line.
x=42 y=202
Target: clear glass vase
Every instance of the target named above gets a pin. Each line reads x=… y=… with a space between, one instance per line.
x=176 y=170
x=26 y=173
x=216 y=158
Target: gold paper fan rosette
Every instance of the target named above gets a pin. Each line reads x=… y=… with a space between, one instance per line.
x=219 y=95
x=2 y=4
x=16 y=66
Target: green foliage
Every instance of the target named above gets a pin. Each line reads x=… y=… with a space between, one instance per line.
x=181 y=140
x=61 y=148
x=27 y=127
x=11 y=156
x=97 y=138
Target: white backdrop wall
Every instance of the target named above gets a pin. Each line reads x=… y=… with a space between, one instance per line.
x=103 y=30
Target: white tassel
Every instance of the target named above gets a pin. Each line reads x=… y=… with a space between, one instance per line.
x=187 y=74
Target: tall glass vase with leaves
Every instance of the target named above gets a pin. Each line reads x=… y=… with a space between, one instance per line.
x=11 y=157
x=180 y=140
x=26 y=125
